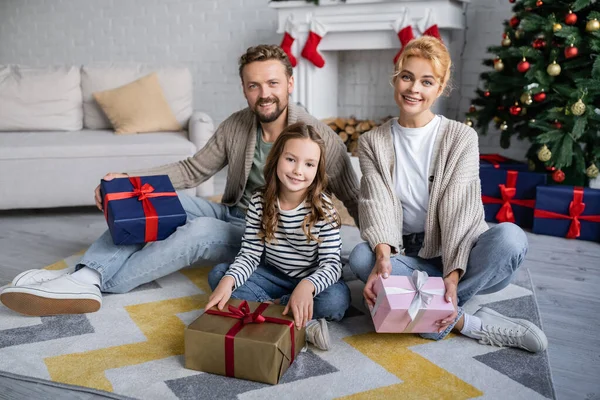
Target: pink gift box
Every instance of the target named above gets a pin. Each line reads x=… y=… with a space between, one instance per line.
x=391 y=310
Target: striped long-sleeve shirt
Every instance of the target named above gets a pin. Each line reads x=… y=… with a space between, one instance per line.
x=291 y=253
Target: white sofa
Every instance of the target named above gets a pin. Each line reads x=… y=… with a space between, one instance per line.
x=56 y=143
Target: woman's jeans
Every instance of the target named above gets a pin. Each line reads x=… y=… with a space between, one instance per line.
x=267 y=283
x=212 y=234
x=493 y=261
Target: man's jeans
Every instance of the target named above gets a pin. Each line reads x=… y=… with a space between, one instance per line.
x=267 y=283
x=494 y=259
x=212 y=234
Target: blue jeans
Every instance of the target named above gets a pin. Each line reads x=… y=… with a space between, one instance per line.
x=212 y=234
x=267 y=283
x=493 y=260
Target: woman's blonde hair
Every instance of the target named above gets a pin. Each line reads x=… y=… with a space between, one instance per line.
x=320 y=210
x=434 y=51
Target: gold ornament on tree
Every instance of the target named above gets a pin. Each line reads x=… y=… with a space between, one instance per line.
x=526 y=98
x=592 y=171
x=592 y=25
x=497 y=120
x=519 y=33
x=504 y=126
x=578 y=108
x=556 y=27
x=553 y=69
x=498 y=65
x=531 y=165
x=544 y=154
x=468 y=122
x=506 y=42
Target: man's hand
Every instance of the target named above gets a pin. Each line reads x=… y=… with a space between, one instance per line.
x=301 y=303
x=222 y=293
x=107 y=177
x=451 y=283
x=382 y=267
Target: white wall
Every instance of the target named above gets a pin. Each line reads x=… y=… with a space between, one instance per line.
x=209 y=36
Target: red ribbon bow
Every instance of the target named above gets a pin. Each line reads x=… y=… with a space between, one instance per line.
x=576 y=208
x=245 y=316
x=494 y=159
x=143 y=193
x=508 y=191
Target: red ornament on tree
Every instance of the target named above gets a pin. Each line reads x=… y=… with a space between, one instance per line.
x=539 y=44
x=571 y=51
x=571 y=18
x=557 y=125
x=514 y=22
x=487 y=93
x=523 y=66
x=539 y=97
x=511 y=1
x=558 y=176
x=515 y=110
x=539 y=3
x=500 y=108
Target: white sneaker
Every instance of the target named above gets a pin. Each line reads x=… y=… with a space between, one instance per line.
x=500 y=330
x=317 y=333
x=33 y=276
x=63 y=295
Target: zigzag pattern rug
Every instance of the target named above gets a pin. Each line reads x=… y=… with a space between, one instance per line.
x=133 y=347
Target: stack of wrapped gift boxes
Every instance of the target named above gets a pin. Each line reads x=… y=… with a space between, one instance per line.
x=510 y=193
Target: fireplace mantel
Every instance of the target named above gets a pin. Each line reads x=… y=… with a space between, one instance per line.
x=354 y=25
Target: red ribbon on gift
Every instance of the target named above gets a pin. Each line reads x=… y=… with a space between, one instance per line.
x=245 y=316
x=508 y=191
x=576 y=208
x=494 y=159
x=143 y=193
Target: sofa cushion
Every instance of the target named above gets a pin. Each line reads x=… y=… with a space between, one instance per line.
x=92 y=144
x=138 y=107
x=40 y=99
x=175 y=81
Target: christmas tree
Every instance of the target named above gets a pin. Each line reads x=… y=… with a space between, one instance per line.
x=545 y=86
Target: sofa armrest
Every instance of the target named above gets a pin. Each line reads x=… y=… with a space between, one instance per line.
x=200 y=130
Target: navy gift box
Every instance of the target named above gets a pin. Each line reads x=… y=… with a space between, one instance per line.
x=497 y=161
x=568 y=211
x=509 y=196
x=141 y=209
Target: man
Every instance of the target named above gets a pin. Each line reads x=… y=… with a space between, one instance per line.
x=213 y=232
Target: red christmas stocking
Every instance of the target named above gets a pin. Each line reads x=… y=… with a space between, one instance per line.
x=288 y=40
x=404 y=31
x=428 y=27
x=317 y=31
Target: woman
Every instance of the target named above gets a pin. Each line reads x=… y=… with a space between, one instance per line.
x=420 y=206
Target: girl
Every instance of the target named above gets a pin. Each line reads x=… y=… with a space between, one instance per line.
x=420 y=206
x=290 y=252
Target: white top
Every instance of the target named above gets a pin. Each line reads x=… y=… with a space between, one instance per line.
x=413 y=148
x=291 y=253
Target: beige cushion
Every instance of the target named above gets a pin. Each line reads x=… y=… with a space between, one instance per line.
x=40 y=99
x=138 y=107
x=176 y=83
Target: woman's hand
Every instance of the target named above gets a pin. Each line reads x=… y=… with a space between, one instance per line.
x=382 y=267
x=222 y=293
x=301 y=303
x=451 y=284
x=107 y=177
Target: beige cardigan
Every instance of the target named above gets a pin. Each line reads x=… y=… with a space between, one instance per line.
x=233 y=144
x=455 y=217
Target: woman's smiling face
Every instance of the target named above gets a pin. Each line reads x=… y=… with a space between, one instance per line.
x=416 y=87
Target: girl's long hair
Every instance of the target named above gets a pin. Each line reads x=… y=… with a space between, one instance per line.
x=320 y=209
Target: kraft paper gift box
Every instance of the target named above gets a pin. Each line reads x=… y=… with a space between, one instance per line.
x=247 y=340
x=500 y=162
x=509 y=196
x=409 y=304
x=141 y=209
x=568 y=211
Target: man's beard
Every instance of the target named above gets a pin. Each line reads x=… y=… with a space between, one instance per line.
x=266 y=118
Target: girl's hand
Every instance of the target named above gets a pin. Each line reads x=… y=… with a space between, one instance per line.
x=451 y=283
x=222 y=293
x=301 y=303
x=107 y=177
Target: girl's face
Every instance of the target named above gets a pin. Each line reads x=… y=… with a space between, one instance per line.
x=416 y=87
x=297 y=165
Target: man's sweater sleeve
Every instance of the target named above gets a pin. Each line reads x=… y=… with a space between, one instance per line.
x=194 y=170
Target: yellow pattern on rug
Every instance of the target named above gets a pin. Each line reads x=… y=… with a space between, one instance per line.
x=157 y=321
x=421 y=378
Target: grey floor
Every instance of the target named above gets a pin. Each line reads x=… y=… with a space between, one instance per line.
x=565 y=273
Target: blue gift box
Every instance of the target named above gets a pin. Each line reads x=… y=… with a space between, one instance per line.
x=127 y=218
x=557 y=199
x=497 y=161
x=523 y=201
